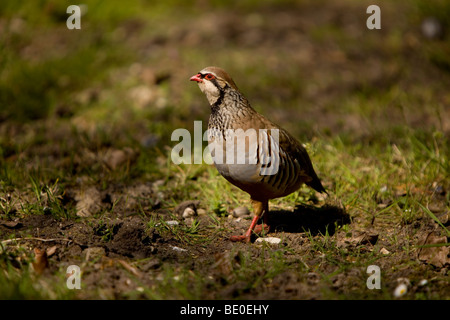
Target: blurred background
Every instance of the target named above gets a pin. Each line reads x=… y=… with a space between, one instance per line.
x=122 y=80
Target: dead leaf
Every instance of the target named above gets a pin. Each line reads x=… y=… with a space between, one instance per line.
x=51 y=251
x=40 y=261
x=88 y=202
x=11 y=224
x=437 y=255
x=364 y=237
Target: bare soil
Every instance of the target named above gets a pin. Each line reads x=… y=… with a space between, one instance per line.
x=120 y=254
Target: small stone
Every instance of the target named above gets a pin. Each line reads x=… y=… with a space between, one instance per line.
x=188 y=213
x=423 y=282
x=240 y=212
x=181 y=208
x=172 y=223
x=384 y=251
x=178 y=249
x=271 y=240
x=432 y=28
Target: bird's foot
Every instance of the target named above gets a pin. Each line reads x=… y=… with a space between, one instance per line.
x=243 y=238
x=261 y=228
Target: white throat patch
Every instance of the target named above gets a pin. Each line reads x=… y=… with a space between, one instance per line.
x=210 y=90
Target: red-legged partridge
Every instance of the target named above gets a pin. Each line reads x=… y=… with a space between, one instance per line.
x=250 y=151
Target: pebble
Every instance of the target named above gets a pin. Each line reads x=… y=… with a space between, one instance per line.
x=240 y=212
x=180 y=209
x=432 y=28
x=188 y=213
x=271 y=240
x=423 y=282
x=384 y=251
x=178 y=249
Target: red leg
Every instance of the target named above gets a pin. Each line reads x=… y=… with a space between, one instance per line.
x=265 y=227
x=246 y=237
x=260 y=208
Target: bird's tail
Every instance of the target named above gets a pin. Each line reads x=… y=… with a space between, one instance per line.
x=316 y=184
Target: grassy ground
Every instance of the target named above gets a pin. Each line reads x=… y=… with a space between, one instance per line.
x=86 y=177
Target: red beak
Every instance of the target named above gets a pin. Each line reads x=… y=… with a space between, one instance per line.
x=197 y=78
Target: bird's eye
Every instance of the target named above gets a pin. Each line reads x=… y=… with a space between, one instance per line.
x=209 y=76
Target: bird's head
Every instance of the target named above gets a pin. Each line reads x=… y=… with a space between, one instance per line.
x=214 y=82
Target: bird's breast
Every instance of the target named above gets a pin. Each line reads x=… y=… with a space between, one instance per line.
x=253 y=160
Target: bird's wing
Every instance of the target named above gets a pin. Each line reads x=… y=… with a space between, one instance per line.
x=294 y=152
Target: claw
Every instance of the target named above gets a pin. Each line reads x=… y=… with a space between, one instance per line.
x=247 y=236
x=242 y=238
x=260 y=208
x=260 y=228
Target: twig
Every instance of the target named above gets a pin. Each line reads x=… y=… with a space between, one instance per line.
x=33 y=238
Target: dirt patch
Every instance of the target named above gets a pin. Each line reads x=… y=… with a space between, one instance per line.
x=132 y=240
x=121 y=254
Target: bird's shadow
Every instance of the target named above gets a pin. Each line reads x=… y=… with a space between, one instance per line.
x=316 y=220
